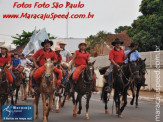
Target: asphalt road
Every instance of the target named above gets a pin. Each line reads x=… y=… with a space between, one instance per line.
x=145 y=112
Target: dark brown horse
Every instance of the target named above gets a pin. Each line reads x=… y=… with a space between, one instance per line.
x=141 y=67
x=18 y=82
x=4 y=88
x=46 y=89
x=84 y=86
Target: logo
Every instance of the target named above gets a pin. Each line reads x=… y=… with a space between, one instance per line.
x=17 y=112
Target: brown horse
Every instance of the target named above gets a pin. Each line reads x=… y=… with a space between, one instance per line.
x=46 y=88
x=18 y=82
x=84 y=86
x=4 y=88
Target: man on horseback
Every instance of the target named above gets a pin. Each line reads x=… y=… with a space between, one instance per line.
x=116 y=56
x=45 y=52
x=5 y=59
x=134 y=56
x=79 y=60
x=16 y=63
x=24 y=61
x=65 y=53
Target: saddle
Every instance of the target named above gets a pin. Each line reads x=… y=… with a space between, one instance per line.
x=76 y=73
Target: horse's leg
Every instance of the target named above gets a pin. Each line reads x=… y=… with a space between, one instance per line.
x=12 y=100
x=57 y=104
x=44 y=107
x=22 y=92
x=137 y=95
x=73 y=101
x=63 y=102
x=50 y=105
x=116 y=101
x=75 y=106
x=125 y=102
x=17 y=90
x=133 y=94
x=80 y=104
x=87 y=106
x=37 y=102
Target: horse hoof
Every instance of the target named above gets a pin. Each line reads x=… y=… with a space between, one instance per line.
x=79 y=112
x=137 y=106
x=87 y=117
x=57 y=110
x=131 y=103
x=106 y=112
x=45 y=121
x=120 y=116
x=74 y=114
x=37 y=117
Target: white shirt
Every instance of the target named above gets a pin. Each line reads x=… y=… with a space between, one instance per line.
x=65 y=54
x=25 y=61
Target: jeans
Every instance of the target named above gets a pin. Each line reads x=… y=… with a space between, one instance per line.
x=110 y=74
x=14 y=79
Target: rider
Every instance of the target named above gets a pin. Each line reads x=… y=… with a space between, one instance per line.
x=24 y=61
x=134 y=56
x=5 y=59
x=79 y=60
x=65 y=53
x=45 y=52
x=59 y=56
x=116 y=56
x=16 y=64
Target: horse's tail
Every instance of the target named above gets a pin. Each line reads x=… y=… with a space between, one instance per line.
x=104 y=94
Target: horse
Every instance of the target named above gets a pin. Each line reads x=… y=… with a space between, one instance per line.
x=25 y=86
x=83 y=86
x=46 y=88
x=18 y=82
x=121 y=84
x=4 y=88
x=142 y=70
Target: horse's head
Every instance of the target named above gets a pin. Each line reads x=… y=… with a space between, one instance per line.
x=134 y=71
x=89 y=71
x=48 y=67
x=142 y=66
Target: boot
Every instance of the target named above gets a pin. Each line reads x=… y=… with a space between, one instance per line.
x=94 y=88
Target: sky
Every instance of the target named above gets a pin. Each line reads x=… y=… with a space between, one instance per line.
x=108 y=15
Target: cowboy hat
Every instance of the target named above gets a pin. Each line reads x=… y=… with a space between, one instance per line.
x=62 y=42
x=132 y=45
x=46 y=41
x=58 y=49
x=5 y=47
x=81 y=44
x=72 y=52
x=117 y=41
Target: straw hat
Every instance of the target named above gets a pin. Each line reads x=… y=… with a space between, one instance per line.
x=81 y=44
x=62 y=42
x=58 y=49
x=5 y=47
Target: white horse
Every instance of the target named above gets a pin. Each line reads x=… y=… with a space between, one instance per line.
x=25 y=86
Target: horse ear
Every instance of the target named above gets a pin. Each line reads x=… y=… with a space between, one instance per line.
x=93 y=62
x=145 y=59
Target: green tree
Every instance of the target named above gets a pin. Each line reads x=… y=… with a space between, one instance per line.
x=99 y=38
x=24 y=38
x=121 y=29
x=147 y=30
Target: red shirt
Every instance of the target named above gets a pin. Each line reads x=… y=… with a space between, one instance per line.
x=117 y=56
x=81 y=58
x=5 y=60
x=46 y=54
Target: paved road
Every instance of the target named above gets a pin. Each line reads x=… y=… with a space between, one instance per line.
x=145 y=112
